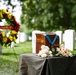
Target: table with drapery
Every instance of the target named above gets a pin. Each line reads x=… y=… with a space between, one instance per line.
x=31 y=64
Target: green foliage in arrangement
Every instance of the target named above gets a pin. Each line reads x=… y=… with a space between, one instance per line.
x=49 y=14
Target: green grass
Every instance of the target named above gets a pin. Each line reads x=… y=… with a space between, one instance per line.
x=9 y=60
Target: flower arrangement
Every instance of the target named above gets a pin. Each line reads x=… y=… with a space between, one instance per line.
x=45 y=51
x=12 y=25
x=63 y=51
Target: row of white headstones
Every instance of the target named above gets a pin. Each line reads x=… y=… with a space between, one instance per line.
x=22 y=37
x=68 y=38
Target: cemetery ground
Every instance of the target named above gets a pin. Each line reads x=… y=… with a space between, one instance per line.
x=9 y=60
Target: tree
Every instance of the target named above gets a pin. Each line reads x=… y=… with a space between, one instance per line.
x=10 y=3
x=49 y=15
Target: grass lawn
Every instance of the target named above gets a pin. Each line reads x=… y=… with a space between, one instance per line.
x=9 y=60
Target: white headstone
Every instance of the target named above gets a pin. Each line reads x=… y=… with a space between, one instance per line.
x=60 y=34
x=30 y=37
x=12 y=44
x=75 y=36
x=23 y=37
x=34 y=40
x=69 y=39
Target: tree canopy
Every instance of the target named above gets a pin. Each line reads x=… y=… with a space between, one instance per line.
x=10 y=3
x=49 y=14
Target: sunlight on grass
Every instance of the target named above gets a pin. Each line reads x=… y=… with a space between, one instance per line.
x=9 y=60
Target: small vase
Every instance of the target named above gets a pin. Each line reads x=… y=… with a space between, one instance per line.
x=0 y=50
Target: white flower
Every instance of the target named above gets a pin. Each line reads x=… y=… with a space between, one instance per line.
x=45 y=51
x=70 y=54
x=62 y=46
x=63 y=51
x=58 y=49
x=44 y=47
x=50 y=52
x=40 y=53
x=44 y=55
x=64 y=54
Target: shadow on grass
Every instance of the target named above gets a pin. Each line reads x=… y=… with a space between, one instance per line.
x=16 y=46
x=9 y=54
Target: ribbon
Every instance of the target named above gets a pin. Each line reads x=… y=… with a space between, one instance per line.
x=6 y=27
x=49 y=39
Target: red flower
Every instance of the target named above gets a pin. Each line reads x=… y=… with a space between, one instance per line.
x=12 y=24
x=0 y=34
x=8 y=40
x=7 y=10
x=13 y=17
x=16 y=26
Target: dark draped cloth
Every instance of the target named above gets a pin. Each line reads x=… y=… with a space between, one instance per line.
x=31 y=64
x=60 y=66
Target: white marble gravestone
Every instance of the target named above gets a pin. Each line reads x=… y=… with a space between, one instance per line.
x=23 y=37
x=69 y=39
x=75 y=36
x=12 y=44
x=34 y=40
x=60 y=34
